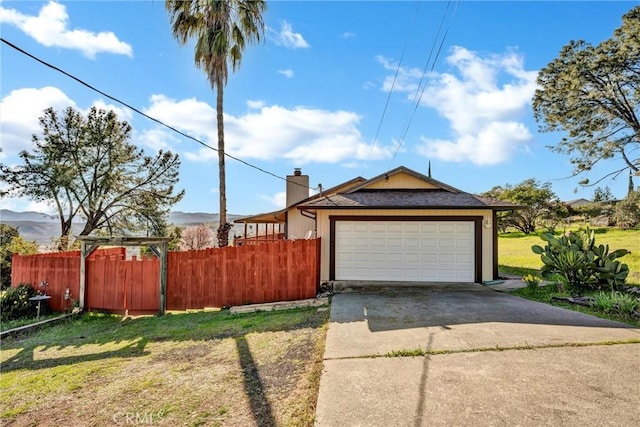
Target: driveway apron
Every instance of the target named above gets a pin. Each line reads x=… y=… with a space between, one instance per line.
x=464 y=354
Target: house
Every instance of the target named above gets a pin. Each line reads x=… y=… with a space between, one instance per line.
x=578 y=203
x=398 y=226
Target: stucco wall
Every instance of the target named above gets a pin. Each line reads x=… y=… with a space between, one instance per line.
x=323 y=231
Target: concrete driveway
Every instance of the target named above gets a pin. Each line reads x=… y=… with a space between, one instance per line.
x=492 y=359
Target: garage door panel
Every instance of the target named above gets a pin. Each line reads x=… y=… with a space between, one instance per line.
x=377 y=242
x=398 y=227
x=446 y=228
x=446 y=243
x=411 y=242
x=395 y=257
x=375 y=228
x=428 y=242
x=429 y=258
x=412 y=258
x=412 y=227
x=405 y=251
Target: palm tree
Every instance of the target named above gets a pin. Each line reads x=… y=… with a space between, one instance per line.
x=221 y=29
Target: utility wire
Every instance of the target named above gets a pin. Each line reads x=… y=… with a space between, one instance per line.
x=395 y=77
x=153 y=119
x=419 y=91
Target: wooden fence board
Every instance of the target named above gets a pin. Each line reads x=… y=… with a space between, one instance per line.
x=279 y=271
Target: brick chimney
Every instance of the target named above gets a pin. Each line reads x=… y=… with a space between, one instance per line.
x=297 y=187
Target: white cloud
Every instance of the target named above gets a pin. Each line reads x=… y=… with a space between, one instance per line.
x=494 y=144
x=484 y=99
x=348 y=35
x=51 y=28
x=123 y=113
x=287 y=37
x=255 y=104
x=302 y=134
x=24 y=204
x=21 y=110
x=191 y=116
x=158 y=139
x=279 y=200
x=288 y=73
x=402 y=80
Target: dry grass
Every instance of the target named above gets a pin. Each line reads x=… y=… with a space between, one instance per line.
x=211 y=369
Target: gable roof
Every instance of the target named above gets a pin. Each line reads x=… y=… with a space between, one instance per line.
x=407 y=199
x=279 y=215
x=427 y=194
x=406 y=171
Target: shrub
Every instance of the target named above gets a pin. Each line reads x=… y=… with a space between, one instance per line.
x=626 y=304
x=15 y=303
x=619 y=302
x=604 y=301
x=580 y=263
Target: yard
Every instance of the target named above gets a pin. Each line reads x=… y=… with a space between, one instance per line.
x=194 y=368
x=515 y=250
x=199 y=368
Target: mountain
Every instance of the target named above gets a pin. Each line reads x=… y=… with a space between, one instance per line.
x=7 y=215
x=43 y=228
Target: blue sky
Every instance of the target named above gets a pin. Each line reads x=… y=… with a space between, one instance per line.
x=313 y=94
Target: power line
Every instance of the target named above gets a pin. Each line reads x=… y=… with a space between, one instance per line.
x=419 y=91
x=153 y=119
x=395 y=77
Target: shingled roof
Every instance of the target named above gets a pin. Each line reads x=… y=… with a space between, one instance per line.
x=406 y=199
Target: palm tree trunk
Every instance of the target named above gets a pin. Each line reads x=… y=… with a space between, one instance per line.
x=224 y=227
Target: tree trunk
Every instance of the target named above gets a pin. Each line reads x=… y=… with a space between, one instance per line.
x=224 y=227
x=65 y=231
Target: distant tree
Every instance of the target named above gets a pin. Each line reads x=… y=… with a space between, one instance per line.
x=197 y=237
x=221 y=29
x=175 y=233
x=86 y=167
x=602 y=195
x=626 y=213
x=539 y=203
x=592 y=93
x=12 y=243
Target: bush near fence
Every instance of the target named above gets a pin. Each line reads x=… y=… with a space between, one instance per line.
x=219 y=277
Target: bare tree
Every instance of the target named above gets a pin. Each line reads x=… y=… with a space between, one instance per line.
x=197 y=237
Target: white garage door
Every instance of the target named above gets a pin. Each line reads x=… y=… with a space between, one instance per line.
x=416 y=251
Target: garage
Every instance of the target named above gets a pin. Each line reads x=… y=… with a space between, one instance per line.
x=405 y=250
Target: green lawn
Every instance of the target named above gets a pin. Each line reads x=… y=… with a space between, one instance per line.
x=188 y=369
x=515 y=255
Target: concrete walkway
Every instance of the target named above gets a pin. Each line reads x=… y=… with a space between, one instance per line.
x=485 y=358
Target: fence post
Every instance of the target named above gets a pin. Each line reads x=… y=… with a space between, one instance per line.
x=160 y=250
x=84 y=253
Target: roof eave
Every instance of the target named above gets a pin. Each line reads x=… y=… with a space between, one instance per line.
x=439 y=207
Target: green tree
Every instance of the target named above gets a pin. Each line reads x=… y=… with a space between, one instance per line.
x=593 y=93
x=626 y=213
x=602 y=194
x=222 y=30
x=538 y=204
x=86 y=167
x=12 y=243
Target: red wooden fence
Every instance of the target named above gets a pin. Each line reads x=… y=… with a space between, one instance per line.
x=280 y=271
x=123 y=286
x=61 y=271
